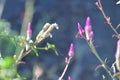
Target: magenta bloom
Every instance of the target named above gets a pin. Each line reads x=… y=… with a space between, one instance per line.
x=88 y=28
x=29 y=31
x=81 y=31
x=71 y=50
x=88 y=21
x=69 y=78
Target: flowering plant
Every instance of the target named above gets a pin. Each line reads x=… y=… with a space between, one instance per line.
x=24 y=45
x=87 y=34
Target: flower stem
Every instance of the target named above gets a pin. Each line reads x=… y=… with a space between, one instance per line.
x=107 y=19
x=101 y=61
x=65 y=69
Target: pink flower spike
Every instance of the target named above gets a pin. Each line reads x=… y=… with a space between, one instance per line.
x=69 y=78
x=88 y=21
x=81 y=31
x=71 y=50
x=88 y=28
x=29 y=31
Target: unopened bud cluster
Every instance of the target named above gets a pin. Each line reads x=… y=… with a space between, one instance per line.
x=67 y=61
x=70 y=53
x=87 y=32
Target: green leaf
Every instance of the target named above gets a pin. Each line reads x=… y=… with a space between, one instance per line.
x=2 y=63
x=35 y=50
x=53 y=47
x=8 y=61
x=21 y=38
x=12 y=39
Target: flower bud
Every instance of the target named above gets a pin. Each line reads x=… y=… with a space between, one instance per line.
x=81 y=31
x=98 y=6
x=71 y=50
x=66 y=60
x=88 y=28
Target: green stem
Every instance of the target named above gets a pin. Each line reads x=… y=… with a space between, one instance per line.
x=101 y=61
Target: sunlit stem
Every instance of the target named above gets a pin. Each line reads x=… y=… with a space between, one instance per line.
x=65 y=69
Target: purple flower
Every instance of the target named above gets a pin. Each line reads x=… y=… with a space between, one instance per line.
x=88 y=28
x=71 y=50
x=81 y=31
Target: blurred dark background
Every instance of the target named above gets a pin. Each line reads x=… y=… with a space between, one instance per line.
x=67 y=13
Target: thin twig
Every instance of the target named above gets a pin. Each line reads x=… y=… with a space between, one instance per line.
x=101 y=61
x=65 y=69
x=107 y=18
